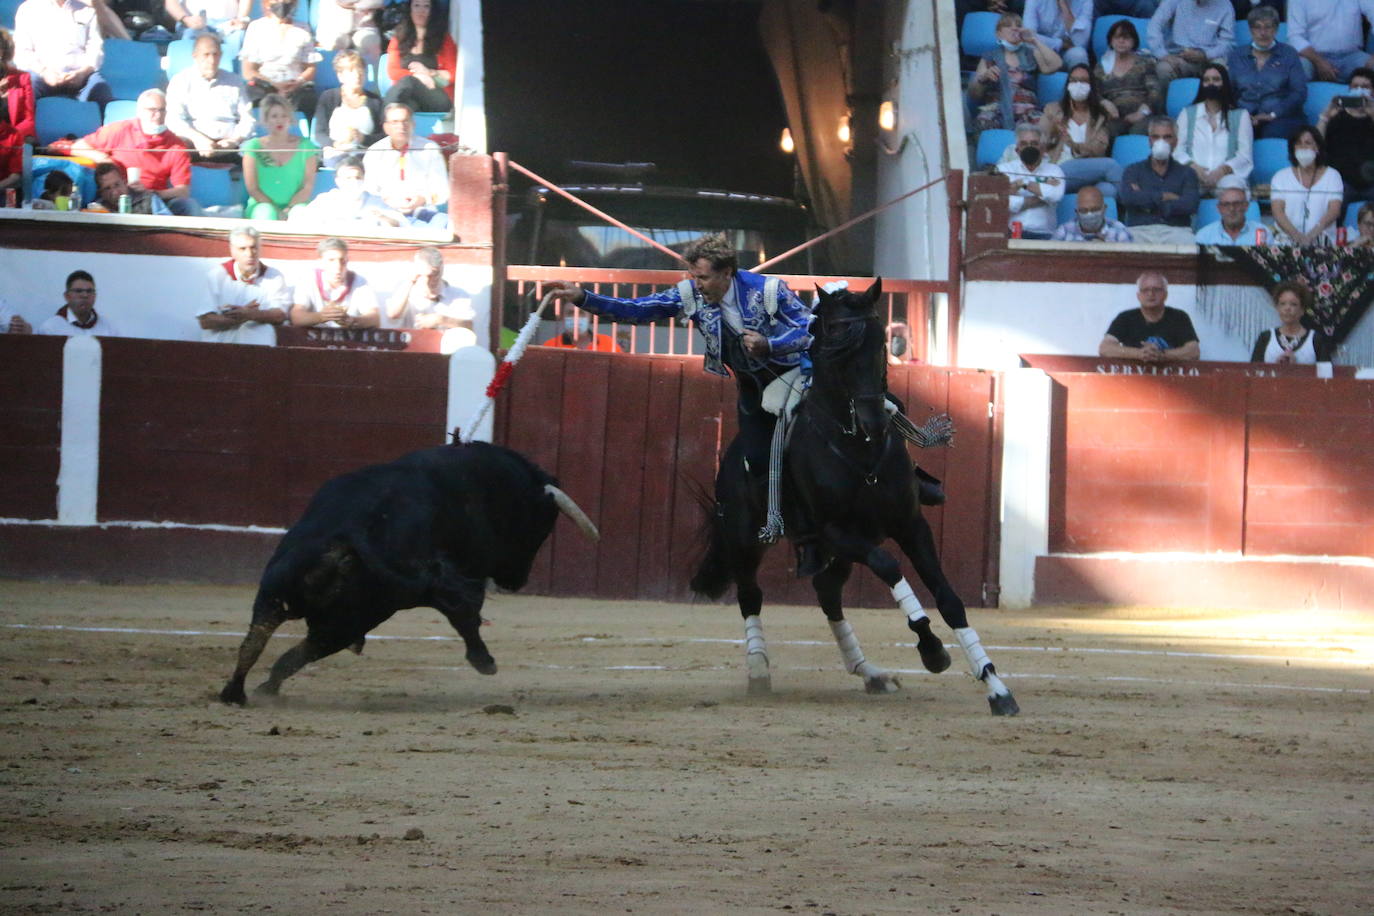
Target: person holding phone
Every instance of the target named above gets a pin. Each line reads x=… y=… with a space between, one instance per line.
x=1347 y=126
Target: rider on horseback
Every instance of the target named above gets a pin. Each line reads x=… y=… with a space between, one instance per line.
x=753 y=325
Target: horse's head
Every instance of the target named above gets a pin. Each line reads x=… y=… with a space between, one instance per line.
x=849 y=356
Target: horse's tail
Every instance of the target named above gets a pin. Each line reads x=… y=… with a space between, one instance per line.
x=712 y=577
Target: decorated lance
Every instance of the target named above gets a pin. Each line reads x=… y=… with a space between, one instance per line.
x=503 y=371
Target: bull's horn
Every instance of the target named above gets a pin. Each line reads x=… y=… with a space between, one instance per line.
x=573 y=511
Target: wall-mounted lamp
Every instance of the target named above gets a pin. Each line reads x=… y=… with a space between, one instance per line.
x=785 y=142
x=843 y=132
x=887 y=115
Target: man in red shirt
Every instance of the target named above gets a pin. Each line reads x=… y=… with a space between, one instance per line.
x=154 y=158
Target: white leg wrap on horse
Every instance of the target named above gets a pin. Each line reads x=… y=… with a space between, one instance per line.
x=973 y=650
x=908 y=602
x=753 y=636
x=849 y=647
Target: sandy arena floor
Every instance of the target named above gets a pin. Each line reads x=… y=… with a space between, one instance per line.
x=1163 y=763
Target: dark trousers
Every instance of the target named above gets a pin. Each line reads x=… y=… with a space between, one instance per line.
x=751 y=377
x=417 y=96
x=302 y=98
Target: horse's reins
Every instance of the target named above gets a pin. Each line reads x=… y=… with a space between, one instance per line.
x=870 y=476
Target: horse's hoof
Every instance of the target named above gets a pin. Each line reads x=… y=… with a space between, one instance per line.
x=357 y=647
x=1004 y=705
x=760 y=681
x=882 y=683
x=485 y=665
x=233 y=695
x=935 y=659
x=760 y=686
x=267 y=689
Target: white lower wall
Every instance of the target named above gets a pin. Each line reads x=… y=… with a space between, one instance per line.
x=158 y=296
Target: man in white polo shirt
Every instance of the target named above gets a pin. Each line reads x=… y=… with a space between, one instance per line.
x=247 y=299
x=406 y=171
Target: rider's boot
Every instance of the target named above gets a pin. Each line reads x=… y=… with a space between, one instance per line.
x=930 y=491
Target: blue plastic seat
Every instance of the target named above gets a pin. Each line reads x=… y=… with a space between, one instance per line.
x=7 y=10
x=1270 y=155
x=325 y=77
x=427 y=122
x=1128 y=149
x=1068 y=208
x=214 y=187
x=179 y=56
x=131 y=67
x=1352 y=214
x=383 y=81
x=1181 y=94
x=1319 y=95
x=1049 y=87
x=324 y=181
x=57 y=116
x=991 y=144
x=1208 y=212
x=121 y=110
x=978 y=38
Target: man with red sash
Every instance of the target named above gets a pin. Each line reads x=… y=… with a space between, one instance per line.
x=333 y=296
x=78 y=318
x=247 y=298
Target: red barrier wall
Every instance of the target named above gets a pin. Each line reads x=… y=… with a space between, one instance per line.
x=31 y=417
x=1213 y=463
x=636 y=440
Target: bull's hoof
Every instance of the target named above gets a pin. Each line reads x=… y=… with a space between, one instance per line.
x=233 y=695
x=882 y=683
x=483 y=665
x=1003 y=705
x=934 y=656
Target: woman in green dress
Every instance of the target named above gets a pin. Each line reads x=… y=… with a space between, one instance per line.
x=278 y=169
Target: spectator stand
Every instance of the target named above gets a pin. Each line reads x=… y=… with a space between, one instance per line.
x=1319 y=95
x=1181 y=93
x=991 y=145
x=179 y=57
x=57 y=116
x=1049 y=87
x=1270 y=156
x=130 y=67
x=120 y=110
x=7 y=10
x=1129 y=149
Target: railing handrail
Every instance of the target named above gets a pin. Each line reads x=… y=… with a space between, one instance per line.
x=799 y=282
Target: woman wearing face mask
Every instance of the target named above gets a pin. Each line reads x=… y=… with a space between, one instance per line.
x=1003 y=88
x=1128 y=79
x=1291 y=342
x=422 y=59
x=1215 y=137
x=279 y=169
x=1078 y=137
x=1306 y=197
x=348 y=119
x=279 y=57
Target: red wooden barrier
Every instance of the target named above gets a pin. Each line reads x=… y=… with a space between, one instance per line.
x=31 y=417
x=1220 y=462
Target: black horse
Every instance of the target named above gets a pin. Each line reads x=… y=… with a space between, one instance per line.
x=848 y=478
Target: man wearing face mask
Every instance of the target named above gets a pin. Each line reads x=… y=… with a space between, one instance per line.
x=350 y=201
x=1037 y=185
x=1091 y=223
x=247 y=297
x=1159 y=196
x=144 y=143
x=1347 y=126
x=1268 y=78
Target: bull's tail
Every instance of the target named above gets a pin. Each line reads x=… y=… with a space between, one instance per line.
x=713 y=576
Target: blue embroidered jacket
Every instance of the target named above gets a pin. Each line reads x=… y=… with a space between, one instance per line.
x=786 y=328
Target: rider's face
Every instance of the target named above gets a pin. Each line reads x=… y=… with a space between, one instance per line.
x=712 y=283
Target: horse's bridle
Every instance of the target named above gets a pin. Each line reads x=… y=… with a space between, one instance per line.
x=853 y=429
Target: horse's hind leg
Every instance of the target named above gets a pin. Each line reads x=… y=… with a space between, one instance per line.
x=829 y=585
x=268 y=614
x=918 y=544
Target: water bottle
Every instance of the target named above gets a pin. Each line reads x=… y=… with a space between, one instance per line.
x=75 y=198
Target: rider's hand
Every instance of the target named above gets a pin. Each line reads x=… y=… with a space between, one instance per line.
x=568 y=292
x=756 y=344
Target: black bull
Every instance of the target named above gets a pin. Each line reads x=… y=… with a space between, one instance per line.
x=425 y=530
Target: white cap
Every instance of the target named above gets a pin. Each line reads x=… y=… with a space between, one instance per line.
x=1233 y=183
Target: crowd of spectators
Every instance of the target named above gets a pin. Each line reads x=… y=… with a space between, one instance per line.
x=266 y=123
x=1255 y=83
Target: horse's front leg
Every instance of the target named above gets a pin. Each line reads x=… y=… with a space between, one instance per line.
x=829 y=585
x=918 y=544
